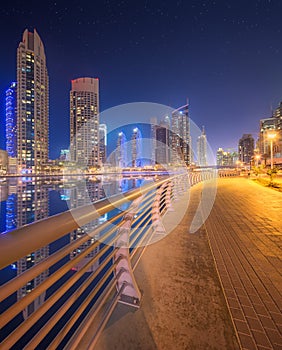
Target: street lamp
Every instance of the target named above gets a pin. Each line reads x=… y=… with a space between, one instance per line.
x=271 y=137
x=257 y=156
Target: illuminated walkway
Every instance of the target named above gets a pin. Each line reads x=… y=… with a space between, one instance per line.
x=183 y=306
x=245 y=232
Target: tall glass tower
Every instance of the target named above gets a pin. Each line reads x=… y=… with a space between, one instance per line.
x=32 y=104
x=84 y=121
x=202 y=148
x=181 y=138
x=121 y=151
x=136 y=146
x=103 y=143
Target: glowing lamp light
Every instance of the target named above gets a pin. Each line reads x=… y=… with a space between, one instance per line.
x=271 y=135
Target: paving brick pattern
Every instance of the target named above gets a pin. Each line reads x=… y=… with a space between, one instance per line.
x=245 y=234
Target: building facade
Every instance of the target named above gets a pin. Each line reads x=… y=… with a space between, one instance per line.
x=227 y=158
x=121 y=151
x=162 y=144
x=181 y=138
x=32 y=104
x=136 y=144
x=154 y=125
x=103 y=143
x=84 y=122
x=267 y=125
x=202 y=149
x=3 y=162
x=11 y=120
x=246 y=149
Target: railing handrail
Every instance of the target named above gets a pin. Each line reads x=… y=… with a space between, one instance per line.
x=20 y=242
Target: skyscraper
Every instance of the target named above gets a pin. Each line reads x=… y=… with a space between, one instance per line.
x=202 y=148
x=32 y=104
x=277 y=146
x=154 y=125
x=162 y=144
x=269 y=126
x=103 y=143
x=84 y=121
x=121 y=151
x=136 y=148
x=246 y=148
x=181 y=138
x=11 y=120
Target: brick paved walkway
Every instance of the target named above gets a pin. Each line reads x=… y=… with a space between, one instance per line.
x=245 y=233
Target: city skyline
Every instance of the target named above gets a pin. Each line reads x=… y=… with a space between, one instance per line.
x=228 y=63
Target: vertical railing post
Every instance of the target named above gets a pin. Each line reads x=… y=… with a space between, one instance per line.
x=168 y=197
x=156 y=214
x=126 y=282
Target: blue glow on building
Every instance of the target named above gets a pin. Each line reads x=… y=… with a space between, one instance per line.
x=11 y=212
x=11 y=120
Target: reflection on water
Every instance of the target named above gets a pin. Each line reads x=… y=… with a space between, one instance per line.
x=25 y=200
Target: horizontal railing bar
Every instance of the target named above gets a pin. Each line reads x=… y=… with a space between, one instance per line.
x=134 y=250
x=18 y=243
x=28 y=298
x=29 y=322
x=105 y=319
x=142 y=248
x=148 y=201
x=20 y=280
x=59 y=313
x=136 y=227
x=98 y=305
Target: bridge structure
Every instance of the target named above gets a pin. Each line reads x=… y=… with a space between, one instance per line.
x=81 y=298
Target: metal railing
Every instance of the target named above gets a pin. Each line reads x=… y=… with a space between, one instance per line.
x=68 y=312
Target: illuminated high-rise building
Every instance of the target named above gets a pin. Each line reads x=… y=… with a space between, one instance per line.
x=202 y=148
x=181 y=138
x=32 y=104
x=162 y=144
x=154 y=125
x=277 y=146
x=121 y=151
x=11 y=120
x=103 y=143
x=269 y=126
x=84 y=121
x=136 y=148
x=246 y=148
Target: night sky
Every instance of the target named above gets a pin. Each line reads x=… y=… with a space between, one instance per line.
x=225 y=56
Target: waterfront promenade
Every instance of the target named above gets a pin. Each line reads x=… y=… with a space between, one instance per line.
x=219 y=288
